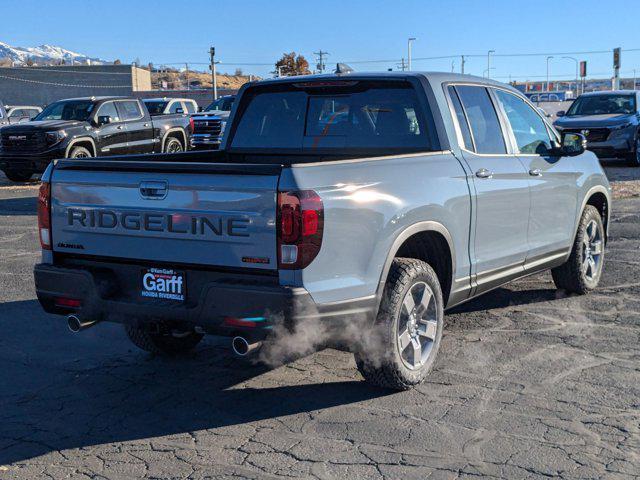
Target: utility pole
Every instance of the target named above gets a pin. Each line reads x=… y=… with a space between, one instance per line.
x=214 y=79
x=634 y=78
x=409 y=41
x=548 y=58
x=462 y=64
x=402 y=66
x=489 y=62
x=320 y=66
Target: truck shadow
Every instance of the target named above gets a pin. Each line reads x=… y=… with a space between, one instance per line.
x=62 y=391
x=506 y=297
x=18 y=206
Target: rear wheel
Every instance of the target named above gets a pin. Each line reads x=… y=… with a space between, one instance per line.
x=19 y=175
x=173 y=145
x=170 y=343
x=79 y=152
x=581 y=272
x=408 y=328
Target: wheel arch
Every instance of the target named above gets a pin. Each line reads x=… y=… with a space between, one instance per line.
x=176 y=132
x=429 y=241
x=599 y=198
x=82 y=142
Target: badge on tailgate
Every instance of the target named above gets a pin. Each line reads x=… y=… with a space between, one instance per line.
x=163 y=283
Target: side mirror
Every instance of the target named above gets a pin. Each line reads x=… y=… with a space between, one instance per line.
x=561 y=113
x=573 y=144
x=201 y=109
x=104 y=120
x=179 y=111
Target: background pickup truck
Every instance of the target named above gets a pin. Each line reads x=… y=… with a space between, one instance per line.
x=17 y=113
x=351 y=209
x=88 y=127
x=209 y=125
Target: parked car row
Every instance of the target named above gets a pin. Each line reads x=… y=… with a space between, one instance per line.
x=89 y=127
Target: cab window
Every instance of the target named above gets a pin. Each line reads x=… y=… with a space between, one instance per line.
x=108 y=109
x=529 y=130
x=483 y=119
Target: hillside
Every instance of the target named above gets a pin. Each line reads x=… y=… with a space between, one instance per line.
x=178 y=80
x=43 y=55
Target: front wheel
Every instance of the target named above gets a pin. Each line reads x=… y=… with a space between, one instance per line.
x=19 y=175
x=633 y=157
x=79 y=152
x=170 y=343
x=173 y=145
x=408 y=329
x=582 y=271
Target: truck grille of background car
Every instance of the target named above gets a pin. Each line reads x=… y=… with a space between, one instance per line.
x=212 y=127
x=23 y=142
x=593 y=135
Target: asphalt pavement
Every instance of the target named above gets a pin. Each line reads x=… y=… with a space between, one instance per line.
x=530 y=383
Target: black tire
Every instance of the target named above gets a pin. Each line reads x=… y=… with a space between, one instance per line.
x=385 y=366
x=18 y=175
x=571 y=275
x=162 y=344
x=79 y=152
x=173 y=145
x=633 y=157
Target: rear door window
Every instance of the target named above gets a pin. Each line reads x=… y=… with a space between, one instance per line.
x=483 y=119
x=129 y=110
x=378 y=116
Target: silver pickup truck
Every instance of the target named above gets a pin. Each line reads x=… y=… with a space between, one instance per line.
x=361 y=206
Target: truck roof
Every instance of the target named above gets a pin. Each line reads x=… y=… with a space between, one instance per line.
x=98 y=99
x=609 y=92
x=438 y=77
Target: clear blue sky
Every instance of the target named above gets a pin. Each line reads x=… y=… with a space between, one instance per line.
x=253 y=31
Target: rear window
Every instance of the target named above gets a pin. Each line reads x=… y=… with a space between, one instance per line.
x=155 y=107
x=340 y=116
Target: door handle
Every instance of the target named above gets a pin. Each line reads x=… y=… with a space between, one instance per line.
x=535 y=172
x=484 y=173
x=146 y=125
x=154 y=189
x=119 y=127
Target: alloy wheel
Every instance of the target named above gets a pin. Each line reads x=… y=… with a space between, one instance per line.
x=417 y=326
x=592 y=251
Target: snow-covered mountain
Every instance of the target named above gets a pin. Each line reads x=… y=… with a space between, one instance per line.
x=44 y=54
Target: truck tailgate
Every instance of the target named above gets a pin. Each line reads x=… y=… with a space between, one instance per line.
x=170 y=212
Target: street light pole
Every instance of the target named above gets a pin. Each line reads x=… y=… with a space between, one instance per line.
x=577 y=63
x=214 y=79
x=548 y=58
x=411 y=39
x=489 y=62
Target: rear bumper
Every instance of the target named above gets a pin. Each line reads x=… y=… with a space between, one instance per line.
x=219 y=303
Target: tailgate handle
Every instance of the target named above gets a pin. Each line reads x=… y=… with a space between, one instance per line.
x=154 y=189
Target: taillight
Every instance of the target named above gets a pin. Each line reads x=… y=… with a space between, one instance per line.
x=44 y=215
x=192 y=124
x=300 y=228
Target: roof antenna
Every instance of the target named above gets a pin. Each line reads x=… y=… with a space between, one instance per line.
x=343 y=68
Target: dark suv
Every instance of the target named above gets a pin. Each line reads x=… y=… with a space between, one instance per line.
x=609 y=120
x=88 y=127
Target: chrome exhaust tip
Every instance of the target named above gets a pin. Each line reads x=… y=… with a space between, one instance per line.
x=241 y=346
x=76 y=324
